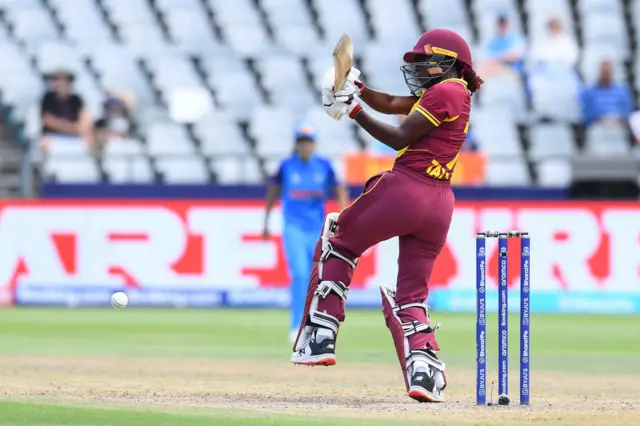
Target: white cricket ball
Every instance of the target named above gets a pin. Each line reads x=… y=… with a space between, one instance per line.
x=119 y=300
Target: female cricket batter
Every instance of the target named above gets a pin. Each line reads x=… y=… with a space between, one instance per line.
x=413 y=201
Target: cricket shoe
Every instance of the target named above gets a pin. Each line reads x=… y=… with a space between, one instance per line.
x=428 y=380
x=315 y=352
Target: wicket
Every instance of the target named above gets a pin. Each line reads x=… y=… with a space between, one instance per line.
x=503 y=316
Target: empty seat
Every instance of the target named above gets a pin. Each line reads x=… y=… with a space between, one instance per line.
x=511 y=171
x=183 y=169
x=173 y=72
x=496 y=132
x=68 y=161
x=33 y=26
x=165 y=139
x=602 y=139
x=297 y=39
x=81 y=20
x=269 y=121
x=190 y=30
x=219 y=134
x=505 y=93
x=550 y=140
x=232 y=13
x=599 y=7
x=168 y=6
x=606 y=31
x=436 y=16
x=556 y=95
x=402 y=29
x=237 y=170
x=248 y=39
x=128 y=169
x=350 y=20
x=236 y=94
x=554 y=172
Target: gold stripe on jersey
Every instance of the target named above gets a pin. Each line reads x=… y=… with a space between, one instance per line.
x=428 y=115
x=455 y=80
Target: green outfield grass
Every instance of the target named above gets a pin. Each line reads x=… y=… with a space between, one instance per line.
x=563 y=344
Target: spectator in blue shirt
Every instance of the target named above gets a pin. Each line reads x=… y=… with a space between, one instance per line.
x=607 y=101
x=504 y=53
x=304 y=181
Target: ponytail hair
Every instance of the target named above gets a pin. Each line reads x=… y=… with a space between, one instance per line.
x=469 y=75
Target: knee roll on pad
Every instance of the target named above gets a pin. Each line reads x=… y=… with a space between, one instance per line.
x=401 y=330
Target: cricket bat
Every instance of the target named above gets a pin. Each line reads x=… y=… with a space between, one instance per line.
x=342 y=61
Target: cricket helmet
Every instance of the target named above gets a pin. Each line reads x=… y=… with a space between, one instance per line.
x=435 y=53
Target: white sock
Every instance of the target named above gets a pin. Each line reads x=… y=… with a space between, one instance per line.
x=324 y=333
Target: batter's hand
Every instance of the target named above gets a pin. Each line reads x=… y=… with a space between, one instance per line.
x=335 y=110
x=352 y=87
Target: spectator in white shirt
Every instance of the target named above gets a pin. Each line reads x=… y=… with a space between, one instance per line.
x=557 y=47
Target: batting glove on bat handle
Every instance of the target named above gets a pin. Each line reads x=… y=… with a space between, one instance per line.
x=360 y=86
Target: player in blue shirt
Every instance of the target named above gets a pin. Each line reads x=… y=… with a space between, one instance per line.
x=304 y=181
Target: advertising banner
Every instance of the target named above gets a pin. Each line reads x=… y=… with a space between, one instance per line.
x=585 y=257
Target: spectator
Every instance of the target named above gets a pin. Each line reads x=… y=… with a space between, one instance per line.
x=557 y=47
x=63 y=112
x=606 y=101
x=116 y=118
x=504 y=53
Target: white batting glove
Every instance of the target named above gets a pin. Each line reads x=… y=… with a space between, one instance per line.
x=351 y=87
x=335 y=110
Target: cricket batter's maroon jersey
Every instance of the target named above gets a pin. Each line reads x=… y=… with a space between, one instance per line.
x=446 y=105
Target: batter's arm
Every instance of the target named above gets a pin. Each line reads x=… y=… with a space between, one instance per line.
x=415 y=127
x=386 y=103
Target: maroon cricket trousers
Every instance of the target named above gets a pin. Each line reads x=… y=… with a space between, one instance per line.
x=397 y=203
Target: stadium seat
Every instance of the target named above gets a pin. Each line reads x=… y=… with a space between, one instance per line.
x=190 y=31
x=555 y=94
x=350 y=19
x=507 y=172
x=550 y=140
x=505 y=93
x=297 y=39
x=124 y=162
x=539 y=12
x=170 y=6
x=607 y=140
x=235 y=171
x=220 y=135
x=68 y=161
x=496 y=132
x=598 y=7
x=402 y=30
x=166 y=139
x=554 y=172
x=33 y=26
x=183 y=169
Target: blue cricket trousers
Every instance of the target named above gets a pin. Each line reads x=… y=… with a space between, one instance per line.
x=298 y=246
